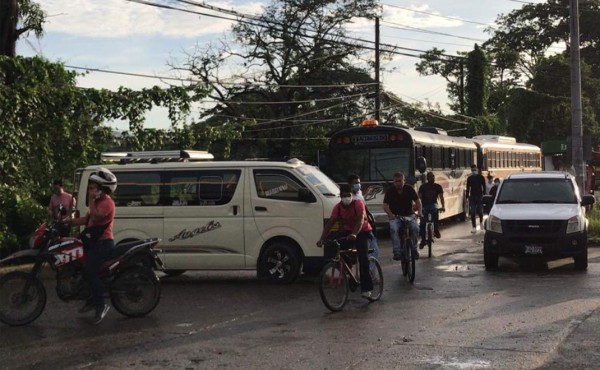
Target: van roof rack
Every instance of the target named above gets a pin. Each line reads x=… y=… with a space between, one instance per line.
x=157 y=156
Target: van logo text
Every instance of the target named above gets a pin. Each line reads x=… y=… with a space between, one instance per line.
x=184 y=234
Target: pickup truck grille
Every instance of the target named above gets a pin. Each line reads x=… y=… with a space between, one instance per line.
x=544 y=228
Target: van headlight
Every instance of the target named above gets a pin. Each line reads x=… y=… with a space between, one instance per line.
x=495 y=224
x=573 y=225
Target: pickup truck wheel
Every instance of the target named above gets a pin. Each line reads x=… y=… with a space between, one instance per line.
x=581 y=261
x=281 y=263
x=490 y=260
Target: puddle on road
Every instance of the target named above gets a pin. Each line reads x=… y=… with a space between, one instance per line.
x=453 y=267
x=455 y=363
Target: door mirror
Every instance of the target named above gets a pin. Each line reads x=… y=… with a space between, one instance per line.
x=588 y=200
x=305 y=195
x=421 y=164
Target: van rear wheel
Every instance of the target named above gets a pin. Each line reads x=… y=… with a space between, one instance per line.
x=281 y=263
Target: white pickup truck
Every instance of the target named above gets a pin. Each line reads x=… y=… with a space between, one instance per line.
x=537 y=214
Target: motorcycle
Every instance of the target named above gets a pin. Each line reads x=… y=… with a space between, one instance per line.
x=129 y=277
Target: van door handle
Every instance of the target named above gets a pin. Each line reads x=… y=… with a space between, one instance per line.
x=260 y=208
x=235 y=208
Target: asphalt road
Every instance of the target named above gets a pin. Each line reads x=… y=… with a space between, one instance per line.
x=526 y=315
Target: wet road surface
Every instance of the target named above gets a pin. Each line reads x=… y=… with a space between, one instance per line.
x=455 y=316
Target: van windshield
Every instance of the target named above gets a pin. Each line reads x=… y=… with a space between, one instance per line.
x=323 y=183
x=536 y=191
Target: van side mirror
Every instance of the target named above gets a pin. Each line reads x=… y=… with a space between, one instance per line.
x=421 y=164
x=588 y=200
x=305 y=195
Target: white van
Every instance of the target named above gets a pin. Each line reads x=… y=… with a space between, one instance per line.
x=262 y=215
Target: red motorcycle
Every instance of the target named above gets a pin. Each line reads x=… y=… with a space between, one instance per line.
x=128 y=275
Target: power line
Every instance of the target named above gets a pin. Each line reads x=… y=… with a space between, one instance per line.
x=416 y=29
x=223 y=83
x=438 y=15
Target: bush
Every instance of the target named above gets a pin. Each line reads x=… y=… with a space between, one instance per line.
x=594 y=223
x=20 y=214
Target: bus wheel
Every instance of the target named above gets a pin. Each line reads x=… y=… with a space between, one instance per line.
x=281 y=263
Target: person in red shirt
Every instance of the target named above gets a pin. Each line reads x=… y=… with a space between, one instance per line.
x=61 y=200
x=98 y=236
x=356 y=229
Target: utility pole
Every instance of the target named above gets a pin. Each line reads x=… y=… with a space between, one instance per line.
x=576 y=120
x=461 y=93
x=377 y=85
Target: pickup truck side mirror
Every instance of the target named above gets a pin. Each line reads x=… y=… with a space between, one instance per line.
x=588 y=200
x=421 y=164
x=488 y=202
x=305 y=195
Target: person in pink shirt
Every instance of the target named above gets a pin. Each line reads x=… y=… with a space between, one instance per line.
x=60 y=197
x=356 y=229
x=98 y=236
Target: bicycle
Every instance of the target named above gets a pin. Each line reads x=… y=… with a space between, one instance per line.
x=408 y=259
x=429 y=230
x=338 y=278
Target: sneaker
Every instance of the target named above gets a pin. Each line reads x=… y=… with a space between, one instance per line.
x=366 y=294
x=437 y=234
x=87 y=307
x=422 y=244
x=100 y=313
x=473 y=230
x=397 y=257
x=478 y=228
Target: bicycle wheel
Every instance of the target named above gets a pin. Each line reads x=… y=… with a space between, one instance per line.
x=429 y=238
x=403 y=259
x=410 y=262
x=333 y=286
x=377 y=277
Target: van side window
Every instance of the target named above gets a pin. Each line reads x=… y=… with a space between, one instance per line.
x=200 y=188
x=276 y=184
x=137 y=189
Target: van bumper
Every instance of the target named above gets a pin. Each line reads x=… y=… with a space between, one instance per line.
x=569 y=245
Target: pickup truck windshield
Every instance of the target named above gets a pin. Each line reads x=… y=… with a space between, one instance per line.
x=536 y=191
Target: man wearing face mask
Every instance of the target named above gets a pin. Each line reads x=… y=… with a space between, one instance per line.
x=357 y=231
x=354 y=182
x=399 y=200
x=475 y=192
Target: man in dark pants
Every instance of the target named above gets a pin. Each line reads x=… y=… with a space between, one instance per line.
x=475 y=192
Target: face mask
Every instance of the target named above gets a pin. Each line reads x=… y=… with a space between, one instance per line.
x=474 y=172
x=356 y=188
x=346 y=201
x=496 y=183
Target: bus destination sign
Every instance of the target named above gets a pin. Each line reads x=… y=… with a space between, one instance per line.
x=371 y=138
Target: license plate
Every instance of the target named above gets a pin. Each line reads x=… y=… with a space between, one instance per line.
x=533 y=249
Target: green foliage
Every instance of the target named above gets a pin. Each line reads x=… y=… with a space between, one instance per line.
x=477 y=86
x=594 y=224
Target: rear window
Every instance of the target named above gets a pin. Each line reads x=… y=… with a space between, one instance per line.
x=536 y=191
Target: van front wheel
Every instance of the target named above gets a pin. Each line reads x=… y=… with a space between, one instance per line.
x=281 y=263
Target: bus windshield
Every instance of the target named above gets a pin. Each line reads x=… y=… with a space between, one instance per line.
x=377 y=164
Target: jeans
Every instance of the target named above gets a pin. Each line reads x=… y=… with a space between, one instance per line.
x=96 y=254
x=374 y=246
x=475 y=206
x=434 y=216
x=363 y=239
x=413 y=230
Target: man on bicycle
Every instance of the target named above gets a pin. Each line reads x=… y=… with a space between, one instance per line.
x=429 y=194
x=399 y=200
x=357 y=231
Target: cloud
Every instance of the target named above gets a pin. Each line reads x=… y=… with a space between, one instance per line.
x=119 y=18
x=419 y=20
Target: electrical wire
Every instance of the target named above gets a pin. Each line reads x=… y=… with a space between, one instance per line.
x=437 y=15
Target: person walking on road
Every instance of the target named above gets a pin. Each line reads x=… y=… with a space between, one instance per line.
x=475 y=192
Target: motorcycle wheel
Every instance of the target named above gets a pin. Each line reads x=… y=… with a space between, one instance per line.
x=135 y=292
x=17 y=306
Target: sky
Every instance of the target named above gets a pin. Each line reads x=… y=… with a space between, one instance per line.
x=124 y=36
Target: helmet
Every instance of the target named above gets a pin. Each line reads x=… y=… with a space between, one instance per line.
x=105 y=179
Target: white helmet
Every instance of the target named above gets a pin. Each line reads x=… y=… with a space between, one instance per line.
x=106 y=179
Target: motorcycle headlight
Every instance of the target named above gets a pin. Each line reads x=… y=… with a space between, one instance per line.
x=495 y=224
x=573 y=225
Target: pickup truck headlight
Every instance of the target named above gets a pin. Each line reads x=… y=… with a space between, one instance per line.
x=573 y=225
x=495 y=224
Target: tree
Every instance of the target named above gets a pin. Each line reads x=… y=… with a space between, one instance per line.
x=279 y=58
x=434 y=62
x=477 y=87
x=18 y=17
